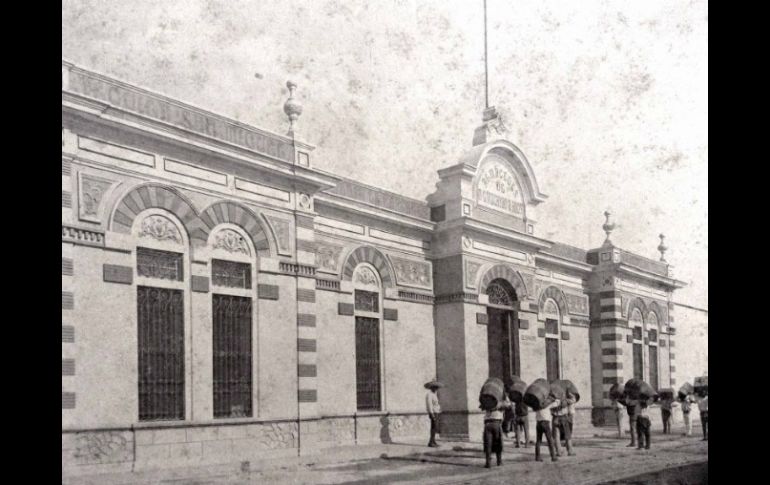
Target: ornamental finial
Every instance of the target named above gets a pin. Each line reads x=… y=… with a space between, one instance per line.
x=291 y=107
x=608 y=226
x=662 y=248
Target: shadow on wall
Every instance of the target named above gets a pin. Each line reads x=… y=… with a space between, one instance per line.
x=385 y=430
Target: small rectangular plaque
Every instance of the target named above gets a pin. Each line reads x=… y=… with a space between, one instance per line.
x=113 y=273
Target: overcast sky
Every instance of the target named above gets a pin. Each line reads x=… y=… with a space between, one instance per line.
x=608 y=100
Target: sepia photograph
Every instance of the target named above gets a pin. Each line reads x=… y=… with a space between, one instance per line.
x=384 y=242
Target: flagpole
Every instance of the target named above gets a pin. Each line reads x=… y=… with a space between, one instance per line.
x=486 y=67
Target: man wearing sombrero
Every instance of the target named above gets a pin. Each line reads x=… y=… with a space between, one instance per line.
x=434 y=410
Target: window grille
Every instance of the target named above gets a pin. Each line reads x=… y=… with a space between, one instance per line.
x=367 y=301
x=637 y=333
x=551 y=326
x=552 y=358
x=499 y=295
x=161 y=353
x=153 y=263
x=230 y=274
x=638 y=367
x=232 y=356
x=654 y=367
x=653 y=335
x=367 y=364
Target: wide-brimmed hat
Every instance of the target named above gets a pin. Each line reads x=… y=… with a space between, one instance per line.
x=433 y=383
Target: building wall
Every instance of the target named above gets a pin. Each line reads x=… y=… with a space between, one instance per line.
x=410 y=356
x=691 y=348
x=336 y=356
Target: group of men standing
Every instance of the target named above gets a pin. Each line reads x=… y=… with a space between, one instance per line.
x=639 y=421
x=555 y=422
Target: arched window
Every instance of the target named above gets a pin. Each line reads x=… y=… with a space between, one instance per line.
x=232 y=272
x=501 y=293
x=368 y=314
x=502 y=330
x=552 y=340
x=636 y=322
x=161 y=260
x=652 y=349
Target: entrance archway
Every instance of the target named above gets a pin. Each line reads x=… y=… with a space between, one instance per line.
x=502 y=330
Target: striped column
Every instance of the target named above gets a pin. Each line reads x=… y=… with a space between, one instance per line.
x=612 y=341
x=671 y=332
x=67 y=186
x=68 y=327
x=67 y=284
x=307 y=356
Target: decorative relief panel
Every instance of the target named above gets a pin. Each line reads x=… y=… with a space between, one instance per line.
x=550 y=308
x=160 y=228
x=327 y=256
x=365 y=276
x=92 y=190
x=471 y=273
x=282 y=231
x=412 y=273
x=624 y=305
x=231 y=241
x=577 y=304
x=529 y=282
x=103 y=447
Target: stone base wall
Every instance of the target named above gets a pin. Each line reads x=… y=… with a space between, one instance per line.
x=104 y=451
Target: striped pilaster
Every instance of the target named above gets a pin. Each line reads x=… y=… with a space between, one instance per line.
x=68 y=270
x=67 y=186
x=307 y=348
x=612 y=341
x=307 y=345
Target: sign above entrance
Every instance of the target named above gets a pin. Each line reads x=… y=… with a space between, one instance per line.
x=497 y=187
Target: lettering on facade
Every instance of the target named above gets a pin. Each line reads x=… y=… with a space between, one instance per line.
x=180 y=116
x=92 y=190
x=498 y=189
x=327 y=256
x=412 y=273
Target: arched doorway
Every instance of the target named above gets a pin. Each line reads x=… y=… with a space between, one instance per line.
x=502 y=330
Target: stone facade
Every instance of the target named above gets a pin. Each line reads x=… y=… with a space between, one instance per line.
x=143 y=172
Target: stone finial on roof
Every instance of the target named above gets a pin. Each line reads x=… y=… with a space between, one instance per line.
x=608 y=226
x=491 y=127
x=662 y=248
x=291 y=107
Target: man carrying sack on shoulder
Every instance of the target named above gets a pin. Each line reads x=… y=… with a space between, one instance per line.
x=493 y=432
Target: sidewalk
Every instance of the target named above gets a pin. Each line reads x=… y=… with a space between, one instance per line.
x=601 y=456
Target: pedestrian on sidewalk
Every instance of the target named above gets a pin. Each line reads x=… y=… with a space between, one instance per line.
x=686 y=405
x=643 y=425
x=434 y=410
x=493 y=432
x=667 y=405
x=703 y=406
x=509 y=420
x=632 y=408
x=543 y=418
x=618 y=406
x=522 y=423
x=561 y=429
